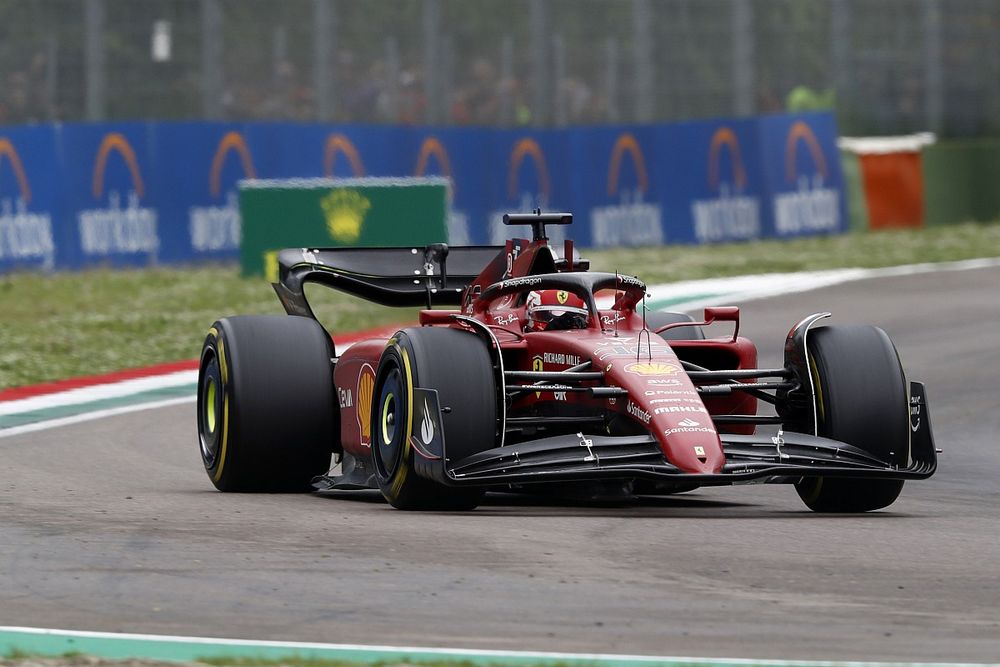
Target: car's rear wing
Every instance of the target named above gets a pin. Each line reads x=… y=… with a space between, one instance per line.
x=433 y=275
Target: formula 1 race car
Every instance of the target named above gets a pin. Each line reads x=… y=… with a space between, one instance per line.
x=545 y=377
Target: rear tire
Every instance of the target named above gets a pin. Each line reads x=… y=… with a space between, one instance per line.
x=861 y=400
x=457 y=365
x=266 y=413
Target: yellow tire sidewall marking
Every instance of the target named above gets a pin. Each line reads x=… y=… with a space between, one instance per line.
x=223 y=367
x=402 y=469
x=225 y=438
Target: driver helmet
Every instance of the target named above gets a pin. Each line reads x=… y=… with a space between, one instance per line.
x=551 y=310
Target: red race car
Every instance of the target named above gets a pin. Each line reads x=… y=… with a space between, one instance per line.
x=544 y=376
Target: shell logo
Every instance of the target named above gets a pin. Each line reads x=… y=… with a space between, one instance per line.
x=652 y=368
x=366 y=387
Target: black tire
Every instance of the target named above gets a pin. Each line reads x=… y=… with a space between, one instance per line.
x=456 y=364
x=659 y=318
x=861 y=400
x=266 y=412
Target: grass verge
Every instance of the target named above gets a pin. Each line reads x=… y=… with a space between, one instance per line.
x=71 y=324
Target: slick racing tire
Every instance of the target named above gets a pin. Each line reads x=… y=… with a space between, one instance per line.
x=266 y=412
x=658 y=318
x=457 y=365
x=861 y=400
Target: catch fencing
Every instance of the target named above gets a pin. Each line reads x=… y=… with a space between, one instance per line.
x=886 y=66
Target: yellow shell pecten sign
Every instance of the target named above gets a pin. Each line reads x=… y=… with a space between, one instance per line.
x=345 y=212
x=652 y=368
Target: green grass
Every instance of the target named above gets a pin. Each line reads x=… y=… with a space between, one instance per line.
x=71 y=324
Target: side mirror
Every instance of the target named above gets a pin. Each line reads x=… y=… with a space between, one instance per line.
x=724 y=314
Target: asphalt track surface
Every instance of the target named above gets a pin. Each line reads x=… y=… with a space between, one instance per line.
x=112 y=525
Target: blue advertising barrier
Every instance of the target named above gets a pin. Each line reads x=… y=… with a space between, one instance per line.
x=144 y=193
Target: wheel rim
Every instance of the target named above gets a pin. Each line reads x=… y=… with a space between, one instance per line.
x=389 y=418
x=210 y=407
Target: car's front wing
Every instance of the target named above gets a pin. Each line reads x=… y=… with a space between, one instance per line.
x=780 y=457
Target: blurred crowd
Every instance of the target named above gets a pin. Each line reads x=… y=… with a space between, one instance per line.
x=372 y=92
x=379 y=93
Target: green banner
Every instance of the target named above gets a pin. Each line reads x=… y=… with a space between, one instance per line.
x=327 y=213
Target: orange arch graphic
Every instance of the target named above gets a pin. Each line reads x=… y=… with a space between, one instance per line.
x=232 y=141
x=800 y=131
x=626 y=143
x=338 y=143
x=524 y=148
x=434 y=148
x=7 y=150
x=114 y=141
x=725 y=137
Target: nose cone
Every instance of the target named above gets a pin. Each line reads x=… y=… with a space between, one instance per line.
x=662 y=397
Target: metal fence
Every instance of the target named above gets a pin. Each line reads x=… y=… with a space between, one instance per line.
x=886 y=66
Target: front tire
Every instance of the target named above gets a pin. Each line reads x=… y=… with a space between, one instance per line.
x=861 y=400
x=457 y=365
x=266 y=414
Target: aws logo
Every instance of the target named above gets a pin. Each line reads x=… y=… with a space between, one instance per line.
x=117 y=228
x=219 y=228
x=631 y=222
x=812 y=206
x=458 y=221
x=25 y=236
x=730 y=215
